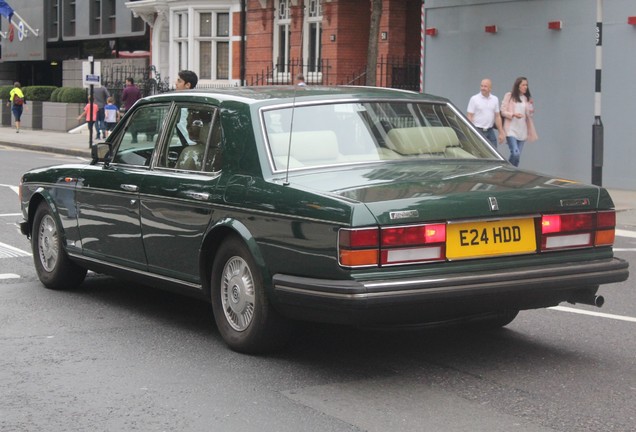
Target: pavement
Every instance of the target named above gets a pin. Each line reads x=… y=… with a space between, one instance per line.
x=76 y=144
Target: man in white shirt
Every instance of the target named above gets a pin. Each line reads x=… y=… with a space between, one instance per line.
x=483 y=112
x=186 y=80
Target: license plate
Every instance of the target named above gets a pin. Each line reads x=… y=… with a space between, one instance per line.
x=490 y=238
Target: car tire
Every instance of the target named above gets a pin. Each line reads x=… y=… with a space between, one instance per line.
x=52 y=265
x=245 y=319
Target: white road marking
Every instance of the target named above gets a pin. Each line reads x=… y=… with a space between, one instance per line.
x=13 y=188
x=625 y=233
x=10 y=214
x=596 y=314
x=624 y=249
x=8 y=251
x=9 y=276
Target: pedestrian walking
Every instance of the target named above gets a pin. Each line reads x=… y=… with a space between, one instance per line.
x=130 y=95
x=100 y=95
x=517 y=110
x=111 y=116
x=17 y=101
x=483 y=112
x=86 y=113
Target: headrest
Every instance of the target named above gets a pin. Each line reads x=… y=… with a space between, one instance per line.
x=422 y=140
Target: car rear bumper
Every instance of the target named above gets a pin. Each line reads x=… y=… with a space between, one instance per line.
x=438 y=297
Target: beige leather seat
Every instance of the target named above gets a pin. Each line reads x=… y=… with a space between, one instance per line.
x=191 y=158
x=422 y=140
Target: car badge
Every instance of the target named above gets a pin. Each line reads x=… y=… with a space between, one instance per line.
x=404 y=214
x=494 y=206
x=575 y=202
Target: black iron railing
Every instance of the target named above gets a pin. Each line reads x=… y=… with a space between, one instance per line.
x=282 y=73
x=394 y=72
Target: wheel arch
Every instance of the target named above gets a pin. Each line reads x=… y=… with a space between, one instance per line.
x=216 y=235
x=38 y=198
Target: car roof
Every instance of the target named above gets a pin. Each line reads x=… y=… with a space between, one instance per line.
x=273 y=95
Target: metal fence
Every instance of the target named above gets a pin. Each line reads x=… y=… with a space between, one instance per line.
x=147 y=79
x=282 y=73
x=393 y=72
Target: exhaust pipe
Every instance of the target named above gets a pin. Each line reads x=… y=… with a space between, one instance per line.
x=588 y=298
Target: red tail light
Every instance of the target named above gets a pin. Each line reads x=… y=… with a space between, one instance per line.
x=359 y=247
x=414 y=244
x=577 y=230
x=605 y=228
x=392 y=246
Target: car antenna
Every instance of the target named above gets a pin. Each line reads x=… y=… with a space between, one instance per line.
x=291 y=129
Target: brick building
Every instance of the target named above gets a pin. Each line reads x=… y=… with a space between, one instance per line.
x=269 y=41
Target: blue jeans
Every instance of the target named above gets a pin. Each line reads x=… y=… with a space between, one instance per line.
x=490 y=136
x=100 y=127
x=515 y=147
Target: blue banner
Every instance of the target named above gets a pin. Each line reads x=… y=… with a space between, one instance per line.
x=6 y=10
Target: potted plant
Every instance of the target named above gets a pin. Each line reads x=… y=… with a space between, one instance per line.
x=35 y=95
x=61 y=111
x=5 y=111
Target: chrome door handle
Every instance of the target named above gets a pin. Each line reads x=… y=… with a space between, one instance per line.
x=199 y=196
x=129 y=187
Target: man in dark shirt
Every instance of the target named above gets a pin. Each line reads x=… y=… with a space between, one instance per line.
x=130 y=95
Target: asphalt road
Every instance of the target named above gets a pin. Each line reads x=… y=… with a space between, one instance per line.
x=112 y=356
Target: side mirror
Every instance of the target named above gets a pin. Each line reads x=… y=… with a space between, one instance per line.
x=101 y=152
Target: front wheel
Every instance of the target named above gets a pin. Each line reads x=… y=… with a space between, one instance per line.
x=243 y=315
x=52 y=264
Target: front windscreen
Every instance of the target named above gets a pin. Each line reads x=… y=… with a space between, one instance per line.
x=362 y=132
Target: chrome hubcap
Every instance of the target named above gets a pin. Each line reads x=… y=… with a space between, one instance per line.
x=237 y=293
x=48 y=243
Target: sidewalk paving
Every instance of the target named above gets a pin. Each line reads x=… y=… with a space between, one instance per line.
x=76 y=144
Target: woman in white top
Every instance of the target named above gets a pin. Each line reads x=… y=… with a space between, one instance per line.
x=517 y=110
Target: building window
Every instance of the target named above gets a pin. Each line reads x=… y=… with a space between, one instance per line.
x=95 y=17
x=201 y=42
x=282 y=23
x=313 y=29
x=54 y=20
x=69 y=18
x=212 y=39
x=181 y=40
x=109 y=15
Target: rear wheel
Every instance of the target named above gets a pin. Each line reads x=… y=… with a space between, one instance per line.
x=244 y=317
x=52 y=264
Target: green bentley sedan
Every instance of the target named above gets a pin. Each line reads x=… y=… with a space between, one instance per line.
x=347 y=205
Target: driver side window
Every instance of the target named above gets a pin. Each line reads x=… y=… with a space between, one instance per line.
x=141 y=135
x=188 y=141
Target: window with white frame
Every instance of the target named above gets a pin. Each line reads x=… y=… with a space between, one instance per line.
x=181 y=39
x=213 y=42
x=282 y=23
x=313 y=30
x=201 y=42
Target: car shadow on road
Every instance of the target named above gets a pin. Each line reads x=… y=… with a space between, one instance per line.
x=334 y=346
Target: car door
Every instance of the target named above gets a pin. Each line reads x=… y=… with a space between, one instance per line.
x=177 y=196
x=108 y=194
